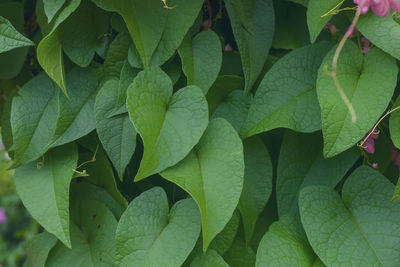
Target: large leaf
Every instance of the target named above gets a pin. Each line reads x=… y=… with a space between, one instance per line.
x=287 y=95
x=223 y=241
x=145 y=21
x=76 y=117
x=51 y=7
x=301 y=164
x=394 y=124
x=257 y=186
x=116 y=55
x=201 y=59
x=33 y=119
x=361 y=229
x=149 y=234
x=240 y=255
x=82 y=31
x=44 y=189
x=37 y=249
x=360 y=76
x=245 y=10
x=49 y=51
x=315 y=10
x=170 y=125
x=10 y=38
x=384 y=32
x=209 y=258
x=286 y=244
x=213 y=175
x=253 y=47
x=117 y=133
x=92 y=238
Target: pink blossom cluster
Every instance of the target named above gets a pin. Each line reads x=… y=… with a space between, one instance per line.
x=379 y=7
x=3 y=216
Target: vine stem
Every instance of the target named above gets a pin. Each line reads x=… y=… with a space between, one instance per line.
x=333 y=74
x=93 y=159
x=376 y=125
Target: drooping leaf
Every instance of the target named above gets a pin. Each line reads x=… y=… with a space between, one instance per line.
x=316 y=10
x=92 y=238
x=117 y=133
x=257 y=186
x=286 y=244
x=37 y=249
x=170 y=125
x=43 y=187
x=240 y=255
x=287 y=95
x=212 y=174
x=360 y=76
x=384 y=32
x=49 y=51
x=209 y=258
x=116 y=55
x=301 y=164
x=369 y=222
x=51 y=7
x=245 y=10
x=34 y=115
x=201 y=59
x=10 y=38
x=253 y=47
x=76 y=117
x=149 y=234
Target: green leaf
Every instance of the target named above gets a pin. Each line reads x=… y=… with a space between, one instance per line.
x=223 y=241
x=394 y=124
x=201 y=59
x=316 y=9
x=286 y=244
x=117 y=133
x=51 y=7
x=116 y=55
x=240 y=255
x=384 y=32
x=213 y=175
x=234 y=109
x=360 y=76
x=80 y=33
x=170 y=125
x=244 y=9
x=33 y=119
x=209 y=258
x=10 y=38
x=287 y=94
x=253 y=47
x=49 y=51
x=92 y=239
x=76 y=117
x=180 y=17
x=396 y=194
x=369 y=223
x=257 y=186
x=145 y=21
x=149 y=234
x=37 y=249
x=301 y=164
x=44 y=189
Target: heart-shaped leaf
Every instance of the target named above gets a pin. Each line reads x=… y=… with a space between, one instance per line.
x=212 y=174
x=10 y=38
x=170 y=125
x=149 y=234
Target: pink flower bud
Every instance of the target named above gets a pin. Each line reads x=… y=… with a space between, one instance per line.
x=366 y=45
x=375 y=165
x=363 y=4
x=228 y=48
x=3 y=216
x=381 y=7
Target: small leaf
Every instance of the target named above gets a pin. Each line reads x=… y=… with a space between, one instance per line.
x=240 y=255
x=51 y=7
x=287 y=95
x=394 y=124
x=212 y=174
x=301 y=164
x=10 y=38
x=44 y=189
x=209 y=258
x=117 y=133
x=148 y=234
x=257 y=186
x=169 y=125
x=369 y=223
x=316 y=9
x=92 y=238
x=37 y=249
x=116 y=55
x=360 y=76
x=286 y=244
x=253 y=47
x=201 y=59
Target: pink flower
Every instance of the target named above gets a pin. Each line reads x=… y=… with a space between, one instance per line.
x=363 y=4
x=3 y=216
x=395 y=4
x=375 y=165
x=380 y=7
x=369 y=144
x=332 y=28
x=366 y=45
x=228 y=48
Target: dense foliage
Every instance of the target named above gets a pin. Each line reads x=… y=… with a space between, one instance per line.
x=204 y=133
